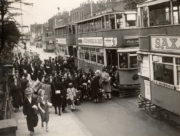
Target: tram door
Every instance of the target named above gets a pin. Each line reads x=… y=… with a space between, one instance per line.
x=112 y=57
x=70 y=48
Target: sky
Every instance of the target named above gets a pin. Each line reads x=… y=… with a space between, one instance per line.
x=42 y=10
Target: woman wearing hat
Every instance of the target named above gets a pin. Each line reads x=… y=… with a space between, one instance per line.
x=30 y=110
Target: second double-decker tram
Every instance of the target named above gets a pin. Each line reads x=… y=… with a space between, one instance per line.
x=110 y=40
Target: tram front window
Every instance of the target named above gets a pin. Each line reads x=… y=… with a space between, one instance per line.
x=128 y=60
x=133 y=61
x=123 y=60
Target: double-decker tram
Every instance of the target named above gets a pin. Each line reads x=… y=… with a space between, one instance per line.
x=49 y=43
x=159 y=57
x=49 y=46
x=65 y=40
x=110 y=40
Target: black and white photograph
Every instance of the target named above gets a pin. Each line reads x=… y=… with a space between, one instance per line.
x=89 y=67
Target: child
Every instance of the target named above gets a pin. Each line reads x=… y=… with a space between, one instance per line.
x=30 y=110
x=71 y=94
x=43 y=106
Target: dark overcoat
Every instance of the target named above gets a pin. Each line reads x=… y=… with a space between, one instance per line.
x=57 y=89
x=32 y=118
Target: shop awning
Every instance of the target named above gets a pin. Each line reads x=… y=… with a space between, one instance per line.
x=130 y=49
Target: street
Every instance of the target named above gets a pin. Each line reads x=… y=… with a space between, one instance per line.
x=43 y=54
x=119 y=117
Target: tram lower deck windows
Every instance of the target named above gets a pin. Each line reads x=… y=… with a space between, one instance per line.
x=163 y=73
x=93 y=57
x=123 y=60
x=100 y=59
x=87 y=57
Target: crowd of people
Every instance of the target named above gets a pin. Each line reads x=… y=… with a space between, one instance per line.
x=37 y=85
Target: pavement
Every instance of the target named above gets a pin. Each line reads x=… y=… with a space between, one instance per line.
x=65 y=125
x=42 y=54
x=118 y=117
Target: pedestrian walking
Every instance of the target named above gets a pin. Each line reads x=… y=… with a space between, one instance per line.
x=30 y=111
x=43 y=106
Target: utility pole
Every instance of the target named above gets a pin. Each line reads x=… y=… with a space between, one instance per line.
x=91 y=7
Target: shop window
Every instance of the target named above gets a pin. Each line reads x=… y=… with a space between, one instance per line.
x=163 y=73
x=123 y=60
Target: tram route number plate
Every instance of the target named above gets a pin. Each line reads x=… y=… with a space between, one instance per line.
x=57 y=91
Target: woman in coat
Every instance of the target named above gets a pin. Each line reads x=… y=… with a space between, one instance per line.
x=30 y=111
x=106 y=84
x=95 y=85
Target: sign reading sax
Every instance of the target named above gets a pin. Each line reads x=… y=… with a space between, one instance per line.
x=165 y=43
x=92 y=41
x=61 y=40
